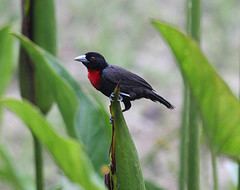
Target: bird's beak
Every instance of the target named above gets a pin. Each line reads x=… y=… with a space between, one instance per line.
x=81 y=58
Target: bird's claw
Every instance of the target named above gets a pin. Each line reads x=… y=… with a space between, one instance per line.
x=111 y=120
x=112 y=96
x=120 y=98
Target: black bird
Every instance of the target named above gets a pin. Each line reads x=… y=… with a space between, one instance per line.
x=104 y=77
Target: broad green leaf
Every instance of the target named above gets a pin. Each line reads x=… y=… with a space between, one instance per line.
x=62 y=93
x=125 y=167
x=93 y=128
x=89 y=121
x=67 y=153
x=10 y=174
x=219 y=108
x=6 y=57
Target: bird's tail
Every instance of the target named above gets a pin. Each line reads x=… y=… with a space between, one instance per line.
x=155 y=97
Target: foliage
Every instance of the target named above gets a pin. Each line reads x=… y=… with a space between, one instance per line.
x=67 y=153
x=6 y=58
x=93 y=131
x=10 y=174
x=39 y=25
x=219 y=108
x=125 y=167
x=84 y=151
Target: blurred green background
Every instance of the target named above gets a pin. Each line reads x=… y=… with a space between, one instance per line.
x=121 y=31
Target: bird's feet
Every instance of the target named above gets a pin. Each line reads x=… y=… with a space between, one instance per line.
x=112 y=96
x=126 y=103
x=111 y=120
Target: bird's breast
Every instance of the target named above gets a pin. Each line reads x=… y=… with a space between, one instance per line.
x=95 y=78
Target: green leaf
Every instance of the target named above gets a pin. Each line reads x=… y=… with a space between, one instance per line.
x=152 y=186
x=88 y=122
x=6 y=58
x=125 y=167
x=10 y=174
x=44 y=25
x=91 y=119
x=62 y=93
x=44 y=35
x=219 y=108
x=93 y=128
x=67 y=153
x=39 y=25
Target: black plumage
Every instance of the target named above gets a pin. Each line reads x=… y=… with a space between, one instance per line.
x=105 y=77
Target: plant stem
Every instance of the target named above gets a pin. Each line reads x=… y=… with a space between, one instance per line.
x=238 y=187
x=193 y=148
x=184 y=142
x=189 y=130
x=214 y=170
x=194 y=18
x=38 y=163
x=193 y=29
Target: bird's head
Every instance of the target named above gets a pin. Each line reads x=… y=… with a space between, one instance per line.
x=92 y=60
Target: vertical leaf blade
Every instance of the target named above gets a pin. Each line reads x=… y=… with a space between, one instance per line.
x=219 y=108
x=125 y=163
x=6 y=58
x=44 y=26
x=43 y=34
x=39 y=25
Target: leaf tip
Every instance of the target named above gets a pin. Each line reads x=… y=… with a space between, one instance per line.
x=154 y=21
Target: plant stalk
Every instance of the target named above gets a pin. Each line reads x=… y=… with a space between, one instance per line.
x=194 y=19
x=238 y=187
x=214 y=170
x=193 y=148
x=38 y=163
x=193 y=29
x=184 y=142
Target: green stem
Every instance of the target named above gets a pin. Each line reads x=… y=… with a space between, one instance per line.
x=194 y=18
x=238 y=187
x=38 y=164
x=193 y=29
x=184 y=142
x=193 y=148
x=189 y=131
x=214 y=170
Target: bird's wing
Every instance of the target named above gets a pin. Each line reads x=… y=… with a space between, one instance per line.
x=115 y=75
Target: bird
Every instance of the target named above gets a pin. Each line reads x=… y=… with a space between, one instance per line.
x=105 y=77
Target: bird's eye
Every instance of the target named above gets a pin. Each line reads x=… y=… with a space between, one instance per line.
x=93 y=59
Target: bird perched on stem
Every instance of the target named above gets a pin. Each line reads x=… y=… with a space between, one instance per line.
x=104 y=77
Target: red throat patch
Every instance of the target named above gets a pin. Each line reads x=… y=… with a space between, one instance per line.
x=95 y=78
